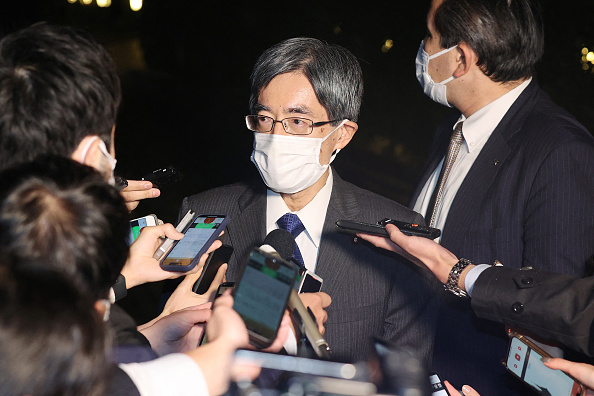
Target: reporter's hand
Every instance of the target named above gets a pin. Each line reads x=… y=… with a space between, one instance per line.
x=136 y=191
x=142 y=268
x=424 y=252
x=180 y=331
x=317 y=302
x=466 y=390
x=183 y=296
x=226 y=332
x=582 y=372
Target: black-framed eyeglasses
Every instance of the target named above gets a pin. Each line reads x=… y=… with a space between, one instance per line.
x=292 y=125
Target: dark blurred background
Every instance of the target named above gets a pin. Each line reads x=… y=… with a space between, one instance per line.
x=185 y=67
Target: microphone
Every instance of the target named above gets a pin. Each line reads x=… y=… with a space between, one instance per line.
x=309 y=326
x=282 y=244
x=279 y=243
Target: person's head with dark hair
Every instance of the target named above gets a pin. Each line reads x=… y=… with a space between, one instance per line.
x=63 y=213
x=52 y=341
x=58 y=89
x=506 y=35
x=333 y=72
x=304 y=104
x=475 y=51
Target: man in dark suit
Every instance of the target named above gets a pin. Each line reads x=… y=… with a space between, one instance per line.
x=516 y=184
x=305 y=99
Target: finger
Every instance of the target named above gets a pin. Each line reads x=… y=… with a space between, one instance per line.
x=218 y=279
x=326 y=300
x=138 y=185
x=225 y=300
x=453 y=391
x=130 y=206
x=580 y=371
x=469 y=391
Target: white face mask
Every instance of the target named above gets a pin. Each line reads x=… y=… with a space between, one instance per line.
x=436 y=91
x=289 y=164
x=112 y=161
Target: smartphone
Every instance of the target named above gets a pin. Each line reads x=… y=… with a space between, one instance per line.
x=198 y=236
x=163 y=177
x=261 y=295
x=379 y=229
x=212 y=265
x=138 y=224
x=220 y=290
x=308 y=282
x=438 y=388
x=524 y=361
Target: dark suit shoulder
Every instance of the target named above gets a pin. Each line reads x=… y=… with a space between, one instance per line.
x=374 y=204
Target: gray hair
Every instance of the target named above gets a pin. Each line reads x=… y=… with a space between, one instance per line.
x=333 y=71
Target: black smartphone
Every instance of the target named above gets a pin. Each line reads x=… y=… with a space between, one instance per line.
x=198 y=236
x=438 y=388
x=524 y=361
x=211 y=267
x=379 y=229
x=220 y=290
x=163 y=177
x=261 y=295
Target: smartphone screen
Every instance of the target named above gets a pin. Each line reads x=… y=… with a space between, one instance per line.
x=137 y=225
x=261 y=295
x=525 y=362
x=437 y=386
x=203 y=229
x=212 y=265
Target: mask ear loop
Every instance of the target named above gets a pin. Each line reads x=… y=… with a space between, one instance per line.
x=86 y=149
x=335 y=152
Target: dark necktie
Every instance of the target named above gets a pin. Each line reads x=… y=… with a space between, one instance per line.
x=293 y=224
x=453 y=149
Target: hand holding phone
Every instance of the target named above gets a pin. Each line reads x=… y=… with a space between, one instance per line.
x=202 y=231
x=138 y=224
x=524 y=361
x=379 y=229
x=261 y=295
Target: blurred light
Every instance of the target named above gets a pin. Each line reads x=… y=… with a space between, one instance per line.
x=135 y=5
x=590 y=56
x=86 y=2
x=103 y=3
x=388 y=44
x=584 y=51
x=585 y=66
x=337 y=29
x=72 y=1
x=584 y=59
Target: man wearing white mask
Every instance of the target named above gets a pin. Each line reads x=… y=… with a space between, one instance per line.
x=304 y=104
x=509 y=176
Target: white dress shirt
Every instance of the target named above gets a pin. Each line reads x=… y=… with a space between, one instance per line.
x=312 y=216
x=476 y=131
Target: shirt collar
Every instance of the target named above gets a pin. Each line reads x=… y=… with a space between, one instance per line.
x=312 y=215
x=480 y=125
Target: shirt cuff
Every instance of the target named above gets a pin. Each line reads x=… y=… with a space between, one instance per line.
x=290 y=344
x=174 y=374
x=472 y=276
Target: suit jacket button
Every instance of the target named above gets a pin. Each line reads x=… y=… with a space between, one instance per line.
x=518 y=307
x=527 y=280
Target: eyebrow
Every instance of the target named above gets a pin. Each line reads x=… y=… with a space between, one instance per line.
x=304 y=110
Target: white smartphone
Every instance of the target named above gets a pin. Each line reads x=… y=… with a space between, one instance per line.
x=524 y=361
x=138 y=224
x=438 y=388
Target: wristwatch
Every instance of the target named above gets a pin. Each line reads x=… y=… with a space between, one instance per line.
x=452 y=283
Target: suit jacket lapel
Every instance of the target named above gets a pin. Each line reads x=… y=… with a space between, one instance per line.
x=492 y=158
x=343 y=205
x=248 y=228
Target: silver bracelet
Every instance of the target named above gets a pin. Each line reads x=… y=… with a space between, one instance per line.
x=452 y=283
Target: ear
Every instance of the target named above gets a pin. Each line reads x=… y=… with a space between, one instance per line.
x=347 y=131
x=465 y=58
x=100 y=308
x=88 y=153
